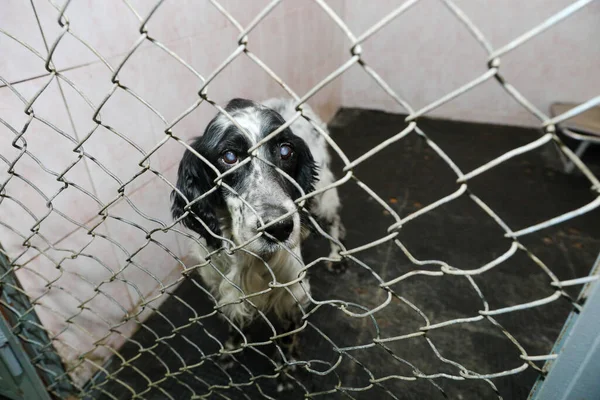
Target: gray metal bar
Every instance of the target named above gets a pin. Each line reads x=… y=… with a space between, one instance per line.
x=575 y=374
x=18 y=378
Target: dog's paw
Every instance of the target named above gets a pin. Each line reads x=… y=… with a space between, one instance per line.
x=286 y=386
x=337 y=267
x=284 y=383
x=226 y=362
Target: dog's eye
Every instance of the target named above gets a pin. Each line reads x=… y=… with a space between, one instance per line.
x=286 y=151
x=229 y=157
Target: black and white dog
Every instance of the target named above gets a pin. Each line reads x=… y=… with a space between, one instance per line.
x=239 y=212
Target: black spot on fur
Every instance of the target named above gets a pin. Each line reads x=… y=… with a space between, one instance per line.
x=194 y=180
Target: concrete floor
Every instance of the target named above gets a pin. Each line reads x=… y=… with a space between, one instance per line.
x=525 y=190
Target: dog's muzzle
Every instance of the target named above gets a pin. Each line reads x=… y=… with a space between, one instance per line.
x=279 y=231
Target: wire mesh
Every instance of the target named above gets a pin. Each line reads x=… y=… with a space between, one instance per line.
x=90 y=304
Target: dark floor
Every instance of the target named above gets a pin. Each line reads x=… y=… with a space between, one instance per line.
x=409 y=175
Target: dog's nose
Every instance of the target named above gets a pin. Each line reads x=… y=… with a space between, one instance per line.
x=281 y=230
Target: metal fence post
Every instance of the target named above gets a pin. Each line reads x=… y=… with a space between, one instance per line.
x=575 y=372
x=18 y=378
x=17 y=310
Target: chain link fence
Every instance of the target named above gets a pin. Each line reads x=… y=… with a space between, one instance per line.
x=108 y=330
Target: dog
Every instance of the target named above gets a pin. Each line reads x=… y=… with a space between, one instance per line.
x=252 y=213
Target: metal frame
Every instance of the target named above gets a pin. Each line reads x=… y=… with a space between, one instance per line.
x=18 y=377
x=20 y=321
x=574 y=373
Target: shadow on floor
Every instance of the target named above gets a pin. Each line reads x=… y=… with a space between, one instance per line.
x=408 y=175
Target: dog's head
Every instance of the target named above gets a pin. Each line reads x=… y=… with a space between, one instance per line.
x=259 y=191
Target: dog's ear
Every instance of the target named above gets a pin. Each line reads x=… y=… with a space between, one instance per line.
x=194 y=179
x=306 y=172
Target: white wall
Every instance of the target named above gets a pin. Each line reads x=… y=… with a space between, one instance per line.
x=426 y=53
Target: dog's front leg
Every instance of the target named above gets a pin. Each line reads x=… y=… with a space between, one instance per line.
x=235 y=340
x=338 y=233
x=290 y=346
x=326 y=209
